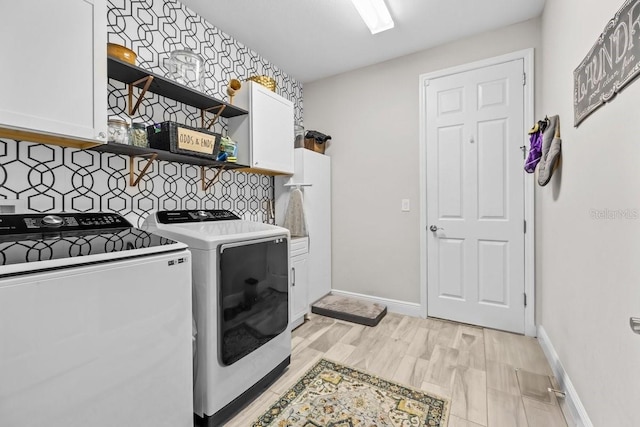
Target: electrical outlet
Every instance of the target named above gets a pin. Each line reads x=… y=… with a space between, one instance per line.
x=406 y=206
x=11 y=206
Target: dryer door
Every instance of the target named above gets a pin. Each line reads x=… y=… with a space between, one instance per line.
x=253 y=295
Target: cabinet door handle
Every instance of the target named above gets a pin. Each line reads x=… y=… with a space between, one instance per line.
x=293 y=272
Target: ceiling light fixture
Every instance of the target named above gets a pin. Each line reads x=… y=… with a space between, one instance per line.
x=375 y=14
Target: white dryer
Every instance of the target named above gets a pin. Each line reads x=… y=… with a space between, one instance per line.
x=241 y=305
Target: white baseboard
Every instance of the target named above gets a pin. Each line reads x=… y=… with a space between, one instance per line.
x=393 y=305
x=578 y=411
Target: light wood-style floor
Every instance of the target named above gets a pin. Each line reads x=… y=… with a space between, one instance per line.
x=493 y=378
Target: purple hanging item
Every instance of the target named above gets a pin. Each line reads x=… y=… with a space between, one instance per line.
x=535 y=152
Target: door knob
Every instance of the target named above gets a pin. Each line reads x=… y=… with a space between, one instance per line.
x=634 y=322
x=435 y=228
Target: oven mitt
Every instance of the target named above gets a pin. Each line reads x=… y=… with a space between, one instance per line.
x=551 y=147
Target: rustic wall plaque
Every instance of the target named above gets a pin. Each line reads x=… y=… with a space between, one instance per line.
x=611 y=64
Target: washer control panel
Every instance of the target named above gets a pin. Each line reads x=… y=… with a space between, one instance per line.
x=176 y=217
x=29 y=223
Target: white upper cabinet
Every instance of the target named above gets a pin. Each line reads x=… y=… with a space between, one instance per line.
x=53 y=78
x=265 y=135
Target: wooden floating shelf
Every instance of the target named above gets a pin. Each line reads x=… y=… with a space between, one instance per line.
x=132 y=150
x=153 y=154
x=46 y=138
x=139 y=77
x=259 y=171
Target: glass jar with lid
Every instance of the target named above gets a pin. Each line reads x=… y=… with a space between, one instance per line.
x=118 y=130
x=187 y=67
x=138 y=135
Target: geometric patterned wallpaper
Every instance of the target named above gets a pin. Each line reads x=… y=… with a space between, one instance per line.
x=57 y=179
x=155 y=28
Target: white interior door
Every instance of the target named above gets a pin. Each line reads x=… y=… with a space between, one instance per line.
x=475 y=196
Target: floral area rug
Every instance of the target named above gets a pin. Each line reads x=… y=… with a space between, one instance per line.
x=333 y=395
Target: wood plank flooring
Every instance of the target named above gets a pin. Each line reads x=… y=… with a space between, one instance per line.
x=493 y=378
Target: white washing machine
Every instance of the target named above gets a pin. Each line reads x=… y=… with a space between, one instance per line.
x=95 y=323
x=241 y=305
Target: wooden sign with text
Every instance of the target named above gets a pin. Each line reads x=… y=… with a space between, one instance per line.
x=196 y=141
x=611 y=64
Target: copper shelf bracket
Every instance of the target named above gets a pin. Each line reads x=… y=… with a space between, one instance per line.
x=203 y=119
x=206 y=185
x=133 y=181
x=133 y=109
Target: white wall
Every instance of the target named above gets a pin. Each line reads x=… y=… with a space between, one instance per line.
x=588 y=273
x=372 y=115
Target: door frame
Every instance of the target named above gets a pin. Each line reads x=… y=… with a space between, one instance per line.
x=529 y=188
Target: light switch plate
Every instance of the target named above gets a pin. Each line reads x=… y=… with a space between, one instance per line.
x=406 y=205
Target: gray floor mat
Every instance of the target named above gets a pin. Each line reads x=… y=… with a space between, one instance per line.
x=350 y=309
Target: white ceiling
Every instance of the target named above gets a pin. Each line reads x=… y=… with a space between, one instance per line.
x=313 y=39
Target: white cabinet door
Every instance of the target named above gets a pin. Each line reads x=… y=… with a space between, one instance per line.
x=299 y=289
x=299 y=281
x=317 y=203
x=53 y=78
x=264 y=136
x=272 y=131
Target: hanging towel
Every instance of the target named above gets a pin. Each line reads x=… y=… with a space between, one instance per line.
x=551 y=147
x=294 y=219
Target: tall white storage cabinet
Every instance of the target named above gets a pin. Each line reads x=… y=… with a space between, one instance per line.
x=314 y=169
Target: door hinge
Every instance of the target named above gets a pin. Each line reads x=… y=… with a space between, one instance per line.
x=524 y=79
x=525 y=299
x=525 y=226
